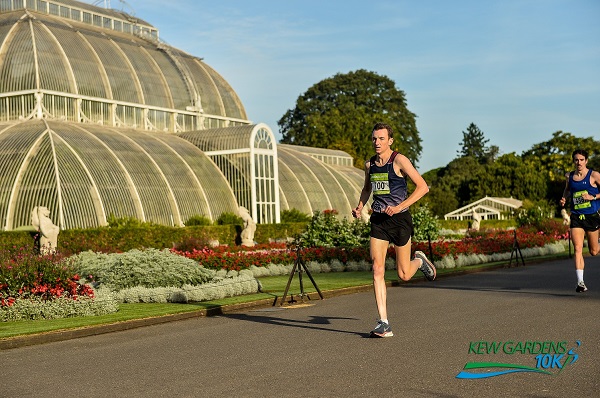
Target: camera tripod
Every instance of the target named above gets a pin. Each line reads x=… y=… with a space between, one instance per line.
x=299 y=267
x=516 y=251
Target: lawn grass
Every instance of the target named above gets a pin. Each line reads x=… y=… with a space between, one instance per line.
x=273 y=287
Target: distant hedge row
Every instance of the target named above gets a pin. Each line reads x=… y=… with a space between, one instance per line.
x=122 y=239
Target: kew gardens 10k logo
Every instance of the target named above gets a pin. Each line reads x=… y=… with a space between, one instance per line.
x=545 y=357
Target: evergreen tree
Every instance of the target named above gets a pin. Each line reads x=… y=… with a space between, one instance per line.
x=474 y=145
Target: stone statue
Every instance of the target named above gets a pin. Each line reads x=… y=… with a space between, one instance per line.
x=40 y=219
x=364 y=214
x=565 y=216
x=476 y=221
x=247 y=234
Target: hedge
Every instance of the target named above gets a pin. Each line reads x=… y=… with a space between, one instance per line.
x=122 y=239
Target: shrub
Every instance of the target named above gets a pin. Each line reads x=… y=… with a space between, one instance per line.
x=228 y=218
x=34 y=308
x=197 y=220
x=534 y=213
x=326 y=230
x=125 y=222
x=192 y=243
x=294 y=215
x=148 y=268
x=230 y=286
x=425 y=223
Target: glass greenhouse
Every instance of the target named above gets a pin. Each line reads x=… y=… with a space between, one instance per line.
x=98 y=117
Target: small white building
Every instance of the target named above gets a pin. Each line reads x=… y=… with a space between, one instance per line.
x=487 y=208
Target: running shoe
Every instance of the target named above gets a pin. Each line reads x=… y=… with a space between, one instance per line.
x=427 y=268
x=382 y=329
x=581 y=287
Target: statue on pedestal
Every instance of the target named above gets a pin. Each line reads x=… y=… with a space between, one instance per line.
x=247 y=234
x=565 y=216
x=476 y=221
x=48 y=232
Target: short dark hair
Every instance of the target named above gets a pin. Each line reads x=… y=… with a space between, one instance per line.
x=579 y=152
x=383 y=126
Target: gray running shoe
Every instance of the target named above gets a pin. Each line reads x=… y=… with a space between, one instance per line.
x=427 y=268
x=382 y=329
x=581 y=287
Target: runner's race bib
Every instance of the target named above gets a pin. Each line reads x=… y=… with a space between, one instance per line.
x=380 y=185
x=579 y=202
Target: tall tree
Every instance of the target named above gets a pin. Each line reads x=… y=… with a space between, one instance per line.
x=510 y=176
x=553 y=158
x=451 y=186
x=554 y=155
x=339 y=113
x=474 y=145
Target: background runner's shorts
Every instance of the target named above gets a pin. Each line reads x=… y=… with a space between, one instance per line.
x=588 y=222
x=396 y=229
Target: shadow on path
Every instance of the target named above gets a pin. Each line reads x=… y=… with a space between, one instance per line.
x=506 y=289
x=312 y=323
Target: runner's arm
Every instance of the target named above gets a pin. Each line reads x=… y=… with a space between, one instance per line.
x=566 y=193
x=364 y=194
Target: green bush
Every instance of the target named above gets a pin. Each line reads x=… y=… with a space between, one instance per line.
x=534 y=213
x=326 y=230
x=197 y=220
x=456 y=225
x=228 y=218
x=425 y=223
x=125 y=222
x=294 y=215
x=111 y=240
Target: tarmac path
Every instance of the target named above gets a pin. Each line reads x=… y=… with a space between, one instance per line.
x=322 y=349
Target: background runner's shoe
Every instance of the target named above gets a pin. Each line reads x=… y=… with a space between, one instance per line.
x=382 y=329
x=581 y=287
x=427 y=268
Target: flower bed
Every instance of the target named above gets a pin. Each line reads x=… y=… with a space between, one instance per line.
x=42 y=287
x=485 y=242
x=488 y=242
x=33 y=279
x=237 y=259
x=24 y=275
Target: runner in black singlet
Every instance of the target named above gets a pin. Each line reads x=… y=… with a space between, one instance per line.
x=391 y=222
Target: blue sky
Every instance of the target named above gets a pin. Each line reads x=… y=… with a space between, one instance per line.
x=519 y=69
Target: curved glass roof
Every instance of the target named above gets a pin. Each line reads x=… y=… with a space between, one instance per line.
x=83 y=173
x=53 y=54
x=87 y=96
x=247 y=156
x=309 y=184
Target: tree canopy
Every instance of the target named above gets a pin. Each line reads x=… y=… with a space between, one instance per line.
x=553 y=157
x=474 y=145
x=339 y=113
x=536 y=175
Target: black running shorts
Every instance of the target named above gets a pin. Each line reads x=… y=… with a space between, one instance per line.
x=396 y=229
x=587 y=222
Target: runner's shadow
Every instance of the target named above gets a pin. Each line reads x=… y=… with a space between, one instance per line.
x=312 y=323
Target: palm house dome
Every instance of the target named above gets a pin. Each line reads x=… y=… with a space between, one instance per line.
x=99 y=118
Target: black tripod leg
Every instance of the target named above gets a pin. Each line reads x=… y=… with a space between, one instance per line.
x=287 y=288
x=511 y=256
x=521 y=254
x=311 y=278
